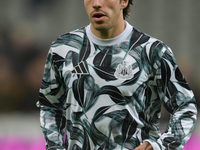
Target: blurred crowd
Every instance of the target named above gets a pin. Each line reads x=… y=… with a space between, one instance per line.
x=21 y=65
x=22 y=60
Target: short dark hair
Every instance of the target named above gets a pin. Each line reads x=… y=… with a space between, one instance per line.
x=127 y=10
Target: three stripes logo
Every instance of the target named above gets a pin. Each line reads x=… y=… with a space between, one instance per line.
x=80 y=69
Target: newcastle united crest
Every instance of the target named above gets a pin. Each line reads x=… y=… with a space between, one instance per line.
x=123 y=71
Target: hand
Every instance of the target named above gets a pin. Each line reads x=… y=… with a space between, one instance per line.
x=144 y=146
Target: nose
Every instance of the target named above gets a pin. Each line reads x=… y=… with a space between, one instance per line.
x=96 y=4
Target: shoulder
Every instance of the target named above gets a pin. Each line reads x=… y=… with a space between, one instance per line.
x=73 y=38
x=151 y=49
x=151 y=44
x=65 y=45
x=68 y=43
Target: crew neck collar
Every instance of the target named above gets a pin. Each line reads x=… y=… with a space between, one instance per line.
x=112 y=41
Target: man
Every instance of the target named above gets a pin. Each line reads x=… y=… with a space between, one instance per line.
x=104 y=84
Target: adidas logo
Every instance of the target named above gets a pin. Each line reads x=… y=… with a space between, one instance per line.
x=80 y=69
x=123 y=71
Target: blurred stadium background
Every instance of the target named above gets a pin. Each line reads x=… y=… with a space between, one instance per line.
x=27 y=28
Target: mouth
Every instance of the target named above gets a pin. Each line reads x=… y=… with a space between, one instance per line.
x=98 y=15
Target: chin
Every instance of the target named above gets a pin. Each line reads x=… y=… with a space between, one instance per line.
x=100 y=27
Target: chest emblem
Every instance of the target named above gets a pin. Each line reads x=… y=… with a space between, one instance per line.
x=124 y=71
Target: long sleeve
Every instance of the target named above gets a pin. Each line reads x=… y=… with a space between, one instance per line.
x=178 y=99
x=52 y=96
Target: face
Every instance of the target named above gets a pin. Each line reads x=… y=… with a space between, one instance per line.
x=105 y=15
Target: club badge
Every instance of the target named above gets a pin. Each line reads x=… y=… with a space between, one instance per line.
x=123 y=71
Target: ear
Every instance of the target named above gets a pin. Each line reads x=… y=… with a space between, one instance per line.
x=124 y=3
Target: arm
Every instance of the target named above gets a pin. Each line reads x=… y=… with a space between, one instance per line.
x=52 y=96
x=179 y=101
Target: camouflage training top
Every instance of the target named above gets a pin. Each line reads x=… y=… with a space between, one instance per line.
x=107 y=94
